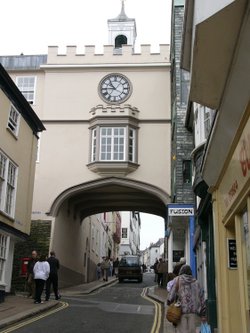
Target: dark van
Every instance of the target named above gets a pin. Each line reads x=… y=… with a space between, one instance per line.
x=130 y=268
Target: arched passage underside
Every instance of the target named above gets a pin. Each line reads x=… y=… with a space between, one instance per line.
x=112 y=194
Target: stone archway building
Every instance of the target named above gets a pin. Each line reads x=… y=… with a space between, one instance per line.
x=107 y=143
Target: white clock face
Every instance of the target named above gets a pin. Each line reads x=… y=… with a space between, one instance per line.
x=115 y=88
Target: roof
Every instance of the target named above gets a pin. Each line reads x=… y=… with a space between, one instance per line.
x=158 y=243
x=122 y=16
x=19 y=101
x=23 y=61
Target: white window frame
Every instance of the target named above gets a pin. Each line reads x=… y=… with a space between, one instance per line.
x=94 y=145
x=4 y=247
x=203 y=122
x=14 y=120
x=8 y=184
x=112 y=145
x=28 y=90
x=127 y=147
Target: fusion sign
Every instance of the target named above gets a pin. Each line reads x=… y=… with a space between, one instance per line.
x=180 y=211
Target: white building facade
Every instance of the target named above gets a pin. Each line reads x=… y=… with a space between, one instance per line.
x=103 y=113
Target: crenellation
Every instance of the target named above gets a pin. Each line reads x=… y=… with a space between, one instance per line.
x=127 y=50
x=108 y=50
x=89 y=50
x=116 y=110
x=125 y=56
x=145 y=48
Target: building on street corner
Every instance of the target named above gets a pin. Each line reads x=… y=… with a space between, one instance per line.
x=215 y=50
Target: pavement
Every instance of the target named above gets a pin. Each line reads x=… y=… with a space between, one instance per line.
x=18 y=307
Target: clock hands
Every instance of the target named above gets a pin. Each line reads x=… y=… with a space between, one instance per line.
x=115 y=88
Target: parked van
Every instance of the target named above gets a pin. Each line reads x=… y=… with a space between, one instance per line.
x=130 y=268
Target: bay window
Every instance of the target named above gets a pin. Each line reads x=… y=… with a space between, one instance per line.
x=111 y=144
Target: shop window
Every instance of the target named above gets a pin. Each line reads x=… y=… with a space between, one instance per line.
x=3 y=254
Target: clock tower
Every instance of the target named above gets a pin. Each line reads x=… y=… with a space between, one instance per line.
x=122 y=30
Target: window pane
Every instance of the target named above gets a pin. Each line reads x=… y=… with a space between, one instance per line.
x=131 y=147
x=2 y=165
x=112 y=144
x=26 y=85
x=13 y=120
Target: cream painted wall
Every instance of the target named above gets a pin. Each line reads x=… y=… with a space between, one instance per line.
x=69 y=94
x=64 y=155
x=22 y=151
x=69 y=241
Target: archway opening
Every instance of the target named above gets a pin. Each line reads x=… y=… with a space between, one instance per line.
x=92 y=212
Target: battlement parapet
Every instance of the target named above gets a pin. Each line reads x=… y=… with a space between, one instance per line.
x=125 y=56
x=108 y=111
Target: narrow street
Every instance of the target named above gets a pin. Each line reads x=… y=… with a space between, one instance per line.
x=119 y=307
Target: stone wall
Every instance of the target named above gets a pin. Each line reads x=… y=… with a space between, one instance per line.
x=182 y=139
x=38 y=240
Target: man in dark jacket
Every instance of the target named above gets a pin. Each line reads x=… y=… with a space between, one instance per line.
x=30 y=275
x=53 y=276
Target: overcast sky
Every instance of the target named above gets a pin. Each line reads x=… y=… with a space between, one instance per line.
x=30 y=26
x=152 y=228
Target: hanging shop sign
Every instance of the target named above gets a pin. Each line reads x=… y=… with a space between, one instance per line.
x=232 y=253
x=180 y=210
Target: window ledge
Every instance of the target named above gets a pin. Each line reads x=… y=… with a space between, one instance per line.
x=113 y=168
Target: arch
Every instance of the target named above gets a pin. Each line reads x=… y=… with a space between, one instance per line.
x=120 y=40
x=112 y=194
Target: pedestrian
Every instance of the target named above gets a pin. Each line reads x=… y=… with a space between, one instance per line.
x=178 y=266
x=30 y=274
x=41 y=273
x=98 y=271
x=111 y=267
x=191 y=297
x=170 y=281
x=115 y=267
x=155 y=270
x=53 y=276
x=160 y=272
x=105 y=265
x=164 y=273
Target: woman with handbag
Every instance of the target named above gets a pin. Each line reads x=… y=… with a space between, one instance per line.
x=188 y=292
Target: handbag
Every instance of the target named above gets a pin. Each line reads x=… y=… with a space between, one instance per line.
x=205 y=328
x=173 y=313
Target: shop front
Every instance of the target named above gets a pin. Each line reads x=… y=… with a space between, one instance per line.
x=231 y=209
